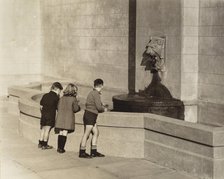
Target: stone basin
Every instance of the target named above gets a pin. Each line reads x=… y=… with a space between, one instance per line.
x=190 y=147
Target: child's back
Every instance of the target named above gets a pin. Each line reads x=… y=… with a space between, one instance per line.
x=48 y=108
x=49 y=104
x=67 y=106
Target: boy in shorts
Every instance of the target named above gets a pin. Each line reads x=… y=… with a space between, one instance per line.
x=49 y=103
x=93 y=107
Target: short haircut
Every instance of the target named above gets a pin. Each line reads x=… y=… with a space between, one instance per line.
x=56 y=85
x=98 y=82
x=70 y=90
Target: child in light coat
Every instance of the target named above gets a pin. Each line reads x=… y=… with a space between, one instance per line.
x=65 y=121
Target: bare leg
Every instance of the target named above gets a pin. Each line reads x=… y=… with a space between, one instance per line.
x=46 y=132
x=42 y=134
x=41 y=140
x=95 y=131
x=86 y=134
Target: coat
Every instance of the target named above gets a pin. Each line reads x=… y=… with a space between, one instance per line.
x=49 y=103
x=67 y=106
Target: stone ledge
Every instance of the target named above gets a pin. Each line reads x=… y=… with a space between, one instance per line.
x=190 y=147
x=196 y=132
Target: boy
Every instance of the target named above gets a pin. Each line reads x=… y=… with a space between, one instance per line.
x=49 y=103
x=93 y=107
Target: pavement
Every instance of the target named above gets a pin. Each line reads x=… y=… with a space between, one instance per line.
x=21 y=159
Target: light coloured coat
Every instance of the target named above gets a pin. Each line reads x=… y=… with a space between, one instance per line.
x=67 y=106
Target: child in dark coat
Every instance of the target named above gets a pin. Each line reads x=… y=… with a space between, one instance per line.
x=49 y=103
x=65 y=121
x=93 y=107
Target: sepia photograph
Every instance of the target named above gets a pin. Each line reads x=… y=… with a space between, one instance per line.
x=112 y=89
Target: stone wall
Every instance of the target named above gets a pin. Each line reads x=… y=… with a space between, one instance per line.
x=85 y=40
x=20 y=42
x=160 y=18
x=211 y=62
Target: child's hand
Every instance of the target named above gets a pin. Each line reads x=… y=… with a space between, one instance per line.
x=105 y=109
x=106 y=105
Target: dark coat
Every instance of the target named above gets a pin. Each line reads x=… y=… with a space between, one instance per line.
x=49 y=103
x=67 y=106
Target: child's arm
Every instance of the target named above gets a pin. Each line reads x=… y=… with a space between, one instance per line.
x=75 y=106
x=99 y=105
x=41 y=103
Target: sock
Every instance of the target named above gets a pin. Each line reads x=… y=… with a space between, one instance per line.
x=93 y=149
x=82 y=150
x=40 y=142
x=44 y=143
x=63 y=141
x=59 y=141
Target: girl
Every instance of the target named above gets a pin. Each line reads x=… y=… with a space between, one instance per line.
x=48 y=109
x=65 y=122
x=93 y=107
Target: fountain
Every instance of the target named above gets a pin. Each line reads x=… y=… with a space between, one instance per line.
x=156 y=98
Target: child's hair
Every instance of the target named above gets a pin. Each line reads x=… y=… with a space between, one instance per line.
x=56 y=85
x=98 y=82
x=70 y=90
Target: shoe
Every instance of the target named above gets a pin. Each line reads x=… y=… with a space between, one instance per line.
x=61 y=151
x=84 y=155
x=40 y=144
x=47 y=147
x=97 y=154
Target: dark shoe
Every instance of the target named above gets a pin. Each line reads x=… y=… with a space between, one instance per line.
x=97 y=154
x=40 y=144
x=47 y=147
x=61 y=151
x=84 y=155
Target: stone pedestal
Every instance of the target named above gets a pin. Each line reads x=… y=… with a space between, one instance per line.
x=135 y=103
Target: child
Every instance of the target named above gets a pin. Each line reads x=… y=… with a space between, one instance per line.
x=65 y=122
x=48 y=109
x=93 y=107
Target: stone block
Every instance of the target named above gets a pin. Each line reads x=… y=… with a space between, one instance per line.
x=190 y=16
x=190 y=63
x=206 y=92
x=211 y=45
x=189 y=131
x=211 y=78
x=210 y=113
x=191 y=3
x=88 y=43
x=190 y=45
x=189 y=87
x=207 y=31
x=200 y=160
x=211 y=65
x=206 y=16
x=190 y=31
x=191 y=113
x=189 y=77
